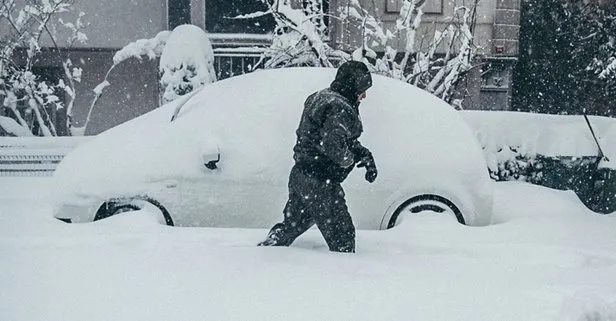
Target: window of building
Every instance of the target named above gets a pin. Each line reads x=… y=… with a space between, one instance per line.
x=219 y=14
x=178 y=12
x=431 y=6
x=248 y=32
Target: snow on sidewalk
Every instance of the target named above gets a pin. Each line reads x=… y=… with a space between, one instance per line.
x=545 y=258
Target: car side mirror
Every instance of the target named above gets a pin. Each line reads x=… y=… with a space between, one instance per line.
x=211 y=164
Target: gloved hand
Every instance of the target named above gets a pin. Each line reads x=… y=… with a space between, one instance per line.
x=368 y=162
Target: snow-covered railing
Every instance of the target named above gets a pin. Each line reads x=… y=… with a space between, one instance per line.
x=34 y=156
x=230 y=62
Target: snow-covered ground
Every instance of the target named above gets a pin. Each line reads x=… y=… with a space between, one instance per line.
x=545 y=258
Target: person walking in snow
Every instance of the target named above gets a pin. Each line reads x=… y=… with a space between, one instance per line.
x=326 y=151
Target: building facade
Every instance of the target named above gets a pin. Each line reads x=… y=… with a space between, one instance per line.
x=134 y=88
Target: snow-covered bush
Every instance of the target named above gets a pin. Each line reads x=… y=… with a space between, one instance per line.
x=300 y=40
x=299 y=36
x=187 y=62
x=24 y=93
x=422 y=67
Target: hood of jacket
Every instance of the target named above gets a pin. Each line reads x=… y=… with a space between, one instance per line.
x=352 y=79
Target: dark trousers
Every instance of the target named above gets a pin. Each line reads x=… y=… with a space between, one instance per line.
x=314 y=201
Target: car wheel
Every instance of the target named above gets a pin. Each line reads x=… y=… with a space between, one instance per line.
x=118 y=206
x=426 y=202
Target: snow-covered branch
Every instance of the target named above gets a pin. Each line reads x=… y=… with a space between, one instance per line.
x=23 y=91
x=299 y=37
x=609 y=70
x=151 y=48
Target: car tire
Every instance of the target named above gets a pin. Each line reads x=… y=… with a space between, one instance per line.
x=118 y=206
x=426 y=202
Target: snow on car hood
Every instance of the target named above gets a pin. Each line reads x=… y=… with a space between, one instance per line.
x=251 y=119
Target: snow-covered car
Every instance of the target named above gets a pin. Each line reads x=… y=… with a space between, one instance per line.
x=566 y=152
x=540 y=134
x=221 y=157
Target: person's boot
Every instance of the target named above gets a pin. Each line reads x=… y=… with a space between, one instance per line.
x=272 y=237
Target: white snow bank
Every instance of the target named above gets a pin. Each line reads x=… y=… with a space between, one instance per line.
x=512 y=202
x=26 y=188
x=588 y=307
x=531 y=266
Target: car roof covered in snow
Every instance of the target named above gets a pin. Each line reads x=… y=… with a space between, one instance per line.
x=251 y=120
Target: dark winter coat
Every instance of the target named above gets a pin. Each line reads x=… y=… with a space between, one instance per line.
x=327 y=145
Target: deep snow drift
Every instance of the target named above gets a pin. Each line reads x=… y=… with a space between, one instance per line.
x=545 y=258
